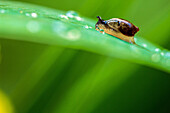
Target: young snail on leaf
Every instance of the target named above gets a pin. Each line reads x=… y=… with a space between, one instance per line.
x=117 y=27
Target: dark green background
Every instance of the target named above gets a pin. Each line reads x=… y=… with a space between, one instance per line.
x=143 y=90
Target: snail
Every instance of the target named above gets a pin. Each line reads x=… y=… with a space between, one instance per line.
x=117 y=27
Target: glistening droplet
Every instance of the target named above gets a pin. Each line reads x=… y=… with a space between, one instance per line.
x=2 y=11
x=73 y=34
x=71 y=14
x=33 y=26
x=79 y=18
x=87 y=27
x=155 y=57
x=64 y=16
x=144 y=45
x=157 y=49
x=34 y=15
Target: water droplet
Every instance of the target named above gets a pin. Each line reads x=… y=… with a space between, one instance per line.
x=64 y=16
x=59 y=28
x=33 y=26
x=71 y=14
x=144 y=45
x=157 y=49
x=87 y=27
x=27 y=14
x=79 y=18
x=167 y=58
x=34 y=15
x=155 y=57
x=73 y=34
x=102 y=31
x=62 y=30
x=2 y=11
x=162 y=53
x=135 y=39
x=167 y=54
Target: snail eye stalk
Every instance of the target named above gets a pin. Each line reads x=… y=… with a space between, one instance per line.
x=118 y=23
x=101 y=20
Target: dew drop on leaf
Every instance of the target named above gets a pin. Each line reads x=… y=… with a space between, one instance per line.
x=59 y=28
x=102 y=31
x=34 y=15
x=155 y=57
x=33 y=26
x=27 y=14
x=162 y=53
x=87 y=27
x=74 y=15
x=167 y=54
x=157 y=49
x=63 y=31
x=144 y=45
x=73 y=34
x=71 y=14
x=2 y=11
x=64 y=16
x=79 y=18
x=167 y=58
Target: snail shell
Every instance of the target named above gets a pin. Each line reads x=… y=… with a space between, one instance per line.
x=119 y=28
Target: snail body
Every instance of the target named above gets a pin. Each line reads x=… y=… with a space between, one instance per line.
x=117 y=27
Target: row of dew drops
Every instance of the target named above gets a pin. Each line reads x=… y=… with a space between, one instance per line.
x=33 y=25
x=74 y=34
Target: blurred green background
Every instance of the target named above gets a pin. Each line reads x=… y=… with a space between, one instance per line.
x=39 y=78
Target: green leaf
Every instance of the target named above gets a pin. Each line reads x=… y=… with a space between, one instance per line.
x=58 y=60
x=68 y=29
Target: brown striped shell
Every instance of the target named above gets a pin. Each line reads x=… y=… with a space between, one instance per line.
x=119 y=28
